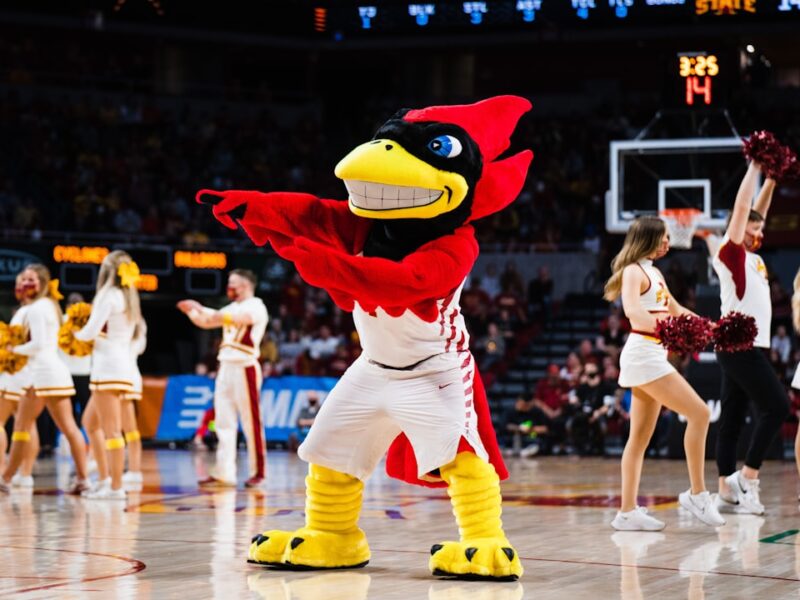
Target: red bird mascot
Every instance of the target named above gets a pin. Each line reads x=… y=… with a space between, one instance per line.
x=396 y=255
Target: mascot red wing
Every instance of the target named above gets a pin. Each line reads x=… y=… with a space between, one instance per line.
x=396 y=255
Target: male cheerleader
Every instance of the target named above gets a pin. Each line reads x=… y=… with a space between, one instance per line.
x=238 y=382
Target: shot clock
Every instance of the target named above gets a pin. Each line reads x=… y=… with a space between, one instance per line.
x=698 y=70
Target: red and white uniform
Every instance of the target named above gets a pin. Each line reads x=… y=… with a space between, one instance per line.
x=238 y=390
x=112 y=331
x=48 y=375
x=15 y=384
x=643 y=358
x=744 y=286
x=413 y=377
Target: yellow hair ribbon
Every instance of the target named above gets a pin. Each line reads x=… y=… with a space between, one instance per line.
x=132 y=436
x=129 y=274
x=52 y=289
x=21 y=436
x=115 y=443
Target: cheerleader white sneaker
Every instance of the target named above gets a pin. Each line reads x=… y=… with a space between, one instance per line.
x=701 y=506
x=97 y=485
x=132 y=478
x=636 y=520
x=747 y=493
x=22 y=481
x=105 y=493
x=725 y=505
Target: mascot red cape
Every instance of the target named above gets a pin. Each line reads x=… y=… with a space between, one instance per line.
x=396 y=255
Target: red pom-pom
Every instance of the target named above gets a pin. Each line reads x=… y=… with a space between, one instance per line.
x=686 y=334
x=735 y=332
x=777 y=161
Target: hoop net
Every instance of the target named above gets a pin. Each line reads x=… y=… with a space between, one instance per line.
x=681 y=224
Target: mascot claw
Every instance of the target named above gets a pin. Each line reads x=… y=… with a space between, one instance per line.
x=310 y=549
x=482 y=558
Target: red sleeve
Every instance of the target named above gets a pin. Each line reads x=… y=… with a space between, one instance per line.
x=733 y=256
x=432 y=271
x=281 y=216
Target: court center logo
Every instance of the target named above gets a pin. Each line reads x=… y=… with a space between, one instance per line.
x=13 y=261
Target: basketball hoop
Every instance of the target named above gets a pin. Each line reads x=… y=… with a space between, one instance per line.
x=681 y=224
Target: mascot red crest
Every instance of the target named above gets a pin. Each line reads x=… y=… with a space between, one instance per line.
x=396 y=254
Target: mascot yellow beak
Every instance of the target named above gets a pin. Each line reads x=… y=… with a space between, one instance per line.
x=385 y=181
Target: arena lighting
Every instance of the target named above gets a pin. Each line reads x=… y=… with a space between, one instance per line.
x=200 y=260
x=81 y=255
x=750 y=48
x=147 y=283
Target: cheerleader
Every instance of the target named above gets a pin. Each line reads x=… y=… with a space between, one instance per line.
x=12 y=387
x=49 y=383
x=133 y=476
x=654 y=382
x=115 y=312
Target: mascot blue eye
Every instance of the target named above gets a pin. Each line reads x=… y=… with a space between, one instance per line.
x=446 y=146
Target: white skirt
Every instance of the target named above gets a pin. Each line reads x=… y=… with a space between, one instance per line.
x=14 y=385
x=111 y=368
x=49 y=376
x=136 y=392
x=643 y=360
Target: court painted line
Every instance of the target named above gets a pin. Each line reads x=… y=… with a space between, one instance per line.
x=135 y=567
x=774 y=539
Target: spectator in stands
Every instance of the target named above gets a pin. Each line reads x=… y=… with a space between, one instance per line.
x=511 y=280
x=550 y=399
x=524 y=424
x=613 y=336
x=781 y=305
x=572 y=369
x=475 y=306
x=592 y=400
x=782 y=345
x=509 y=300
x=490 y=282
x=323 y=345
x=586 y=352
x=540 y=295
x=491 y=348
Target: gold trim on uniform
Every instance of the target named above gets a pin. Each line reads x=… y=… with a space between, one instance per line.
x=241 y=347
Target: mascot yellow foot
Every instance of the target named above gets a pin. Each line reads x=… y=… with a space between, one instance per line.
x=331 y=538
x=483 y=552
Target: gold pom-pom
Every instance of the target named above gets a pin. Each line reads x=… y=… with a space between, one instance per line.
x=77 y=317
x=12 y=335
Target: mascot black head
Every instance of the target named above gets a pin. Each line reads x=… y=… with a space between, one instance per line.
x=427 y=172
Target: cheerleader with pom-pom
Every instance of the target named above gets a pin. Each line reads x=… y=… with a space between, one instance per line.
x=747 y=375
x=646 y=300
x=50 y=383
x=12 y=387
x=114 y=314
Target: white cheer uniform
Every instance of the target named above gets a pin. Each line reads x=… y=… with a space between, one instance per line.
x=413 y=377
x=48 y=375
x=238 y=390
x=112 y=331
x=643 y=358
x=138 y=346
x=744 y=286
x=796 y=378
x=14 y=385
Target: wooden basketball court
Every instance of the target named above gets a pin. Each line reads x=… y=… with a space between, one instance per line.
x=175 y=541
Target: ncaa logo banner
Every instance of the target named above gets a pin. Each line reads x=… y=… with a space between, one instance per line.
x=188 y=397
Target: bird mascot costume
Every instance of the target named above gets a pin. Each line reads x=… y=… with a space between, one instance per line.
x=396 y=254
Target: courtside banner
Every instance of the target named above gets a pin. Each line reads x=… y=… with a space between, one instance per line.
x=188 y=397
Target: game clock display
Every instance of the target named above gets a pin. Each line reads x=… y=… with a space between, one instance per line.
x=698 y=71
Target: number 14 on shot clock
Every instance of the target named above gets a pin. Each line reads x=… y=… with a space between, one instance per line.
x=698 y=69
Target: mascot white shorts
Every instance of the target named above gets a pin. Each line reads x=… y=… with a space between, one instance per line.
x=371 y=405
x=642 y=360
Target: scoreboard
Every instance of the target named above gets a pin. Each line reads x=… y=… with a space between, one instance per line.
x=367 y=17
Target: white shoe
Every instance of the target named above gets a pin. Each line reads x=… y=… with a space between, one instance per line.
x=636 y=520
x=132 y=477
x=105 y=493
x=701 y=506
x=5 y=486
x=97 y=485
x=22 y=481
x=747 y=493
x=529 y=451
